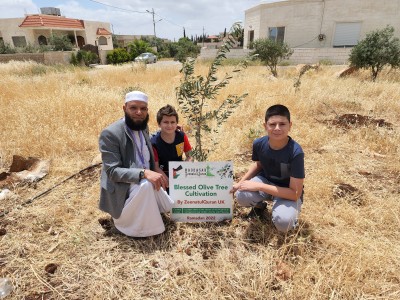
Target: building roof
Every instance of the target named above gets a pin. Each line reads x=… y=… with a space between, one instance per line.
x=102 y=31
x=48 y=21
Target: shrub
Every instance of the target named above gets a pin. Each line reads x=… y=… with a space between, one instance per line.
x=60 y=43
x=118 y=56
x=6 y=48
x=379 y=49
x=271 y=53
x=185 y=48
x=74 y=61
x=87 y=57
x=138 y=47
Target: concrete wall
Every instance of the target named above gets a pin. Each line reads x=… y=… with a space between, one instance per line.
x=10 y=27
x=300 y=55
x=304 y=20
x=47 y=58
x=209 y=53
x=337 y=56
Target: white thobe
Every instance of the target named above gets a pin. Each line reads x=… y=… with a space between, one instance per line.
x=141 y=216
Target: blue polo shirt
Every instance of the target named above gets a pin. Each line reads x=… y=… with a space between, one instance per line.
x=279 y=165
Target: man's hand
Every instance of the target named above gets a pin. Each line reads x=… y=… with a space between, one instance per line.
x=157 y=179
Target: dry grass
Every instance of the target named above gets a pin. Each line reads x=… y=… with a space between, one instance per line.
x=346 y=247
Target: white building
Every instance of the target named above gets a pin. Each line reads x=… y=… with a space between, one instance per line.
x=320 y=23
x=37 y=29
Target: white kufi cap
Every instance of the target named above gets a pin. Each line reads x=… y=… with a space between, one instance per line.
x=136 y=96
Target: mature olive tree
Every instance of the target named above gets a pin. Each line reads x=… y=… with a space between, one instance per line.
x=379 y=49
x=271 y=53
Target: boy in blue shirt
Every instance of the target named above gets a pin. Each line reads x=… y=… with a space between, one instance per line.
x=277 y=174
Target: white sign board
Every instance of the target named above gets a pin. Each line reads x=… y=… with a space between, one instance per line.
x=201 y=190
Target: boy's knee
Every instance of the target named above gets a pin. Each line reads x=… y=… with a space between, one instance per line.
x=284 y=223
x=243 y=198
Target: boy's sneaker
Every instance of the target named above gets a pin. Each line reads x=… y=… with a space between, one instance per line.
x=257 y=211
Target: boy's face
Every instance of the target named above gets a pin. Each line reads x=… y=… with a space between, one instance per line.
x=168 y=124
x=278 y=127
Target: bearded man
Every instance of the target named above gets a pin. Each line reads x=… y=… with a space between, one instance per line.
x=131 y=191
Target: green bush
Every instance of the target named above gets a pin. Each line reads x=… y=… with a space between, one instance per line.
x=87 y=57
x=379 y=49
x=118 y=56
x=74 y=61
x=60 y=43
x=325 y=62
x=138 y=47
x=6 y=48
x=271 y=53
x=185 y=48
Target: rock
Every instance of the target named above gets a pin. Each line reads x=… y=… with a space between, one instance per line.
x=346 y=72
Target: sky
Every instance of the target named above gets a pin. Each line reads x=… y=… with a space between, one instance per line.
x=131 y=16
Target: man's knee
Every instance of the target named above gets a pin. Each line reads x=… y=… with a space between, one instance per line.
x=146 y=185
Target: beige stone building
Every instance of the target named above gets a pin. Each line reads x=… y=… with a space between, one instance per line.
x=36 y=30
x=320 y=23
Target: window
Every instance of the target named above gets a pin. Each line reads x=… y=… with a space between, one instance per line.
x=19 y=41
x=276 y=34
x=346 y=34
x=102 y=40
x=42 y=40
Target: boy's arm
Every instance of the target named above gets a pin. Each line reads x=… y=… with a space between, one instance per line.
x=188 y=156
x=157 y=165
x=187 y=148
x=253 y=171
x=293 y=192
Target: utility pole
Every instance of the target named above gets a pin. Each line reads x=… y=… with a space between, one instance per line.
x=203 y=36
x=154 y=22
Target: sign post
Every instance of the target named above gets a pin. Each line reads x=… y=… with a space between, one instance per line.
x=201 y=191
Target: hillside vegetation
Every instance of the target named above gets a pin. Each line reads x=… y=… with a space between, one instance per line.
x=346 y=247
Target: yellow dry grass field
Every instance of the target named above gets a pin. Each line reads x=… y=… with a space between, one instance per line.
x=346 y=247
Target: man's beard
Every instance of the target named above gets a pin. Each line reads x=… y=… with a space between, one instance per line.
x=136 y=125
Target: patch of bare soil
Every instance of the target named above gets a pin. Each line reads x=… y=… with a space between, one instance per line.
x=24 y=170
x=349 y=193
x=23 y=179
x=356 y=120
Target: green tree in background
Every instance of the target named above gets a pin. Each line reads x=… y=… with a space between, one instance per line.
x=138 y=47
x=271 y=53
x=185 y=48
x=60 y=43
x=379 y=49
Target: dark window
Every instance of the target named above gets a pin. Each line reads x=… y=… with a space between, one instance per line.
x=42 y=40
x=276 y=34
x=19 y=41
x=102 y=40
x=251 y=36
